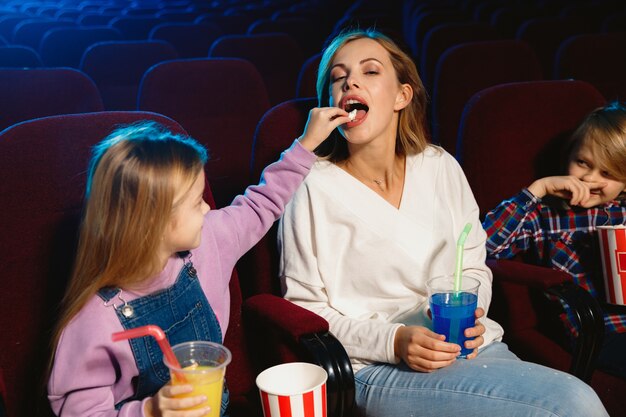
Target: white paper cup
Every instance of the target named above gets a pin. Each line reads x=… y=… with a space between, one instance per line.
x=296 y=389
x=613 y=251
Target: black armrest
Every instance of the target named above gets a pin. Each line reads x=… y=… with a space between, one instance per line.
x=590 y=318
x=331 y=355
x=585 y=308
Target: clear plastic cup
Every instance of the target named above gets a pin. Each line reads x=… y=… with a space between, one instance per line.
x=453 y=311
x=202 y=365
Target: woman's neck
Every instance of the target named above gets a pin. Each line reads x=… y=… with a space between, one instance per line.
x=383 y=174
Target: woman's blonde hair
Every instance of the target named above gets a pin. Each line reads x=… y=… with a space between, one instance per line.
x=134 y=175
x=412 y=125
x=604 y=132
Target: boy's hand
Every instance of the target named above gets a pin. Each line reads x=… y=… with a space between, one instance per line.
x=322 y=121
x=568 y=187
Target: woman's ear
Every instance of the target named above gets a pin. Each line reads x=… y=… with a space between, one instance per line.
x=404 y=97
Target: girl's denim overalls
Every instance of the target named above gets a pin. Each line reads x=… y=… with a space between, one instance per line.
x=184 y=314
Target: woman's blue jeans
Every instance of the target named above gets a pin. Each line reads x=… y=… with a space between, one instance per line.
x=495 y=383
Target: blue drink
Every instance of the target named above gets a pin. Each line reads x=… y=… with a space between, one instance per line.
x=453 y=313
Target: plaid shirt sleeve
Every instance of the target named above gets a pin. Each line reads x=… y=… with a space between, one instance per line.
x=512 y=226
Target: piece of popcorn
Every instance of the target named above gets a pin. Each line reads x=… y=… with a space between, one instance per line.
x=352 y=115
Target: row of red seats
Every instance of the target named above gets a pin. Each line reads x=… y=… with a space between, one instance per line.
x=191 y=39
x=466 y=68
x=118 y=67
x=518 y=42
x=511 y=19
x=219 y=101
x=595 y=58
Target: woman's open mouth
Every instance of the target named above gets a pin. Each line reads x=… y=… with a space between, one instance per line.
x=356 y=106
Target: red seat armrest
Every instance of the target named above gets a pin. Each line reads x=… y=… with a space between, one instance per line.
x=289 y=318
x=538 y=277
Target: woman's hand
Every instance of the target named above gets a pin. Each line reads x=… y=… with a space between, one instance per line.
x=322 y=121
x=424 y=350
x=477 y=333
x=163 y=404
x=569 y=187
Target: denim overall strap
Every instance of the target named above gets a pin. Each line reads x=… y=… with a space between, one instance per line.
x=184 y=314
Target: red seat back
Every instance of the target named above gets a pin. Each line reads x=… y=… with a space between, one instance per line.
x=512 y=134
x=64 y=47
x=598 y=58
x=29 y=32
x=545 y=34
x=307 y=77
x=43 y=166
x=445 y=36
x=135 y=27
x=32 y=93
x=219 y=102
x=118 y=66
x=276 y=56
x=310 y=34
x=16 y=56
x=482 y=64
x=278 y=128
x=191 y=40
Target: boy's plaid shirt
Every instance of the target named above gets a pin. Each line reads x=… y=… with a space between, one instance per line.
x=556 y=235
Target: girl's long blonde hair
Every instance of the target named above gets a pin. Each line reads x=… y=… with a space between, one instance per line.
x=134 y=175
x=413 y=136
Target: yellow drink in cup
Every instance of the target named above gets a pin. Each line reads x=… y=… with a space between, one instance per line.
x=202 y=365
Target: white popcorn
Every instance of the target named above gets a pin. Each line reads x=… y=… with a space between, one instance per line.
x=352 y=115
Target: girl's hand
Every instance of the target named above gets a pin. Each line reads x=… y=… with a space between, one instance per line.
x=424 y=350
x=163 y=404
x=477 y=333
x=576 y=191
x=322 y=121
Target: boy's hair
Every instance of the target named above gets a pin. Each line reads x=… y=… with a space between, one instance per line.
x=604 y=131
x=134 y=175
x=412 y=124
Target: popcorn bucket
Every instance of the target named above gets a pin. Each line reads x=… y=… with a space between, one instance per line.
x=613 y=251
x=296 y=389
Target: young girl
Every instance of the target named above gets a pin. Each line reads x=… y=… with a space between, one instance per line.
x=554 y=220
x=374 y=220
x=152 y=252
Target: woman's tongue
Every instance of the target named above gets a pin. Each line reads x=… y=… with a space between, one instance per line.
x=360 y=114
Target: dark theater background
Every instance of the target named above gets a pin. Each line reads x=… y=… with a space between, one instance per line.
x=239 y=76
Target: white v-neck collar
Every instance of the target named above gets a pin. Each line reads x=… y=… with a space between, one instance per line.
x=409 y=226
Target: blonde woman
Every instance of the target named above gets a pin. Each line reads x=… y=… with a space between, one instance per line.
x=378 y=216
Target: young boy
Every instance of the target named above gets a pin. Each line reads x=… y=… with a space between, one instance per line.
x=554 y=220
